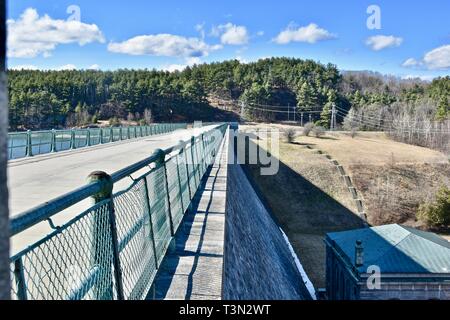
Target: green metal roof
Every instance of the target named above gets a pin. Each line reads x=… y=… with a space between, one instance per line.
x=395 y=249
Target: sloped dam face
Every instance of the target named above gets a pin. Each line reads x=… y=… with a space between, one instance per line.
x=258 y=263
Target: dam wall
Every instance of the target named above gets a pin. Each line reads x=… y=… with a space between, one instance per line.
x=258 y=263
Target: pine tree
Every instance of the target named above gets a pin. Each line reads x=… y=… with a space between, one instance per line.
x=325 y=115
x=443 y=110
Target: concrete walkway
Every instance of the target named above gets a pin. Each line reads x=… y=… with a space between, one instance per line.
x=192 y=269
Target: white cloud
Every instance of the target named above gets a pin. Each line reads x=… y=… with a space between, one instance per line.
x=193 y=60
x=32 y=35
x=94 y=67
x=231 y=34
x=190 y=61
x=311 y=33
x=241 y=60
x=201 y=29
x=67 y=67
x=421 y=77
x=260 y=33
x=438 y=58
x=24 y=67
x=411 y=62
x=167 y=45
x=174 y=67
x=381 y=42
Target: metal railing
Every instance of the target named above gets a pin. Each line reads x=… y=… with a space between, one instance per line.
x=29 y=143
x=113 y=249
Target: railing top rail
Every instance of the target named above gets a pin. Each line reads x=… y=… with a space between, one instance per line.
x=93 y=128
x=46 y=210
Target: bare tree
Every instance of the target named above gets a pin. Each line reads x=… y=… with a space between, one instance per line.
x=4 y=214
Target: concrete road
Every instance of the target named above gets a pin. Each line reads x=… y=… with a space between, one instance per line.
x=33 y=181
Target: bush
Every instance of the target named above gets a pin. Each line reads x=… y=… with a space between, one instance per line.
x=290 y=134
x=318 y=131
x=114 y=122
x=308 y=128
x=436 y=213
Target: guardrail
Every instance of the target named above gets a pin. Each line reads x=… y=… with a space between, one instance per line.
x=114 y=248
x=29 y=143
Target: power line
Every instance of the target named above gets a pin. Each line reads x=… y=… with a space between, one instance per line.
x=388 y=128
x=280 y=111
x=389 y=120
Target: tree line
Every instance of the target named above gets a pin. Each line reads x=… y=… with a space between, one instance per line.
x=50 y=99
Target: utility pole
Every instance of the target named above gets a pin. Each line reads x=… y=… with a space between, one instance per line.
x=301 y=119
x=295 y=111
x=310 y=117
x=333 y=118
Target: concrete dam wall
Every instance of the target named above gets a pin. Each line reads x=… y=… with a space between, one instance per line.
x=258 y=263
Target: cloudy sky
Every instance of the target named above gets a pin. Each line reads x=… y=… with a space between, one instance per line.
x=404 y=38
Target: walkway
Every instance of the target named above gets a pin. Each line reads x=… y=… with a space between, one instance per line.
x=192 y=269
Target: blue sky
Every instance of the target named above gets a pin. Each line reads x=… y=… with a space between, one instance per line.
x=414 y=39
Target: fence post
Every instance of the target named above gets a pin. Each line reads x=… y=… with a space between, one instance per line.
x=101 y=136
x=88 y=137
x=197 y=166
x=179 y=177
x=102 y=249
x=187 y=168
x=152 y=234
x=19 y=278
x=72 y=139
x=111 y=134
x=120 y=132
x=160 y=156
x=29 y=144
x=53 y=143
x=205 y=165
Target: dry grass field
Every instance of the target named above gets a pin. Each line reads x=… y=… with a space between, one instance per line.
x=309 y=199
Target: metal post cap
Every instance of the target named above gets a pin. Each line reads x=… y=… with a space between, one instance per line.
x=105 y=179
x=160 y=155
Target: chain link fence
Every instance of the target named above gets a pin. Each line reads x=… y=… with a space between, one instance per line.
x=29 y=143
x=113 y=250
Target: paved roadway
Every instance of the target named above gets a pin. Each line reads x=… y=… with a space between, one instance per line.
x=32 y=181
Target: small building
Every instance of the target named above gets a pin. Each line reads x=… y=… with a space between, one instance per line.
x=387 y=262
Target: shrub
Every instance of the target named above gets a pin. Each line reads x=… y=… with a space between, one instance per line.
x=308 y=128
x=437 y=212
x=114 y=122
x=318 y=131
x=289 y=134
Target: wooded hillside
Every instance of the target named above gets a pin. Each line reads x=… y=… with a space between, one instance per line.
x=48 y=99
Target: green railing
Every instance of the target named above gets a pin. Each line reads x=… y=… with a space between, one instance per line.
x=30 y=143
x=114 y=248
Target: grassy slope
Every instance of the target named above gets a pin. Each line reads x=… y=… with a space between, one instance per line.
x=309 y=199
